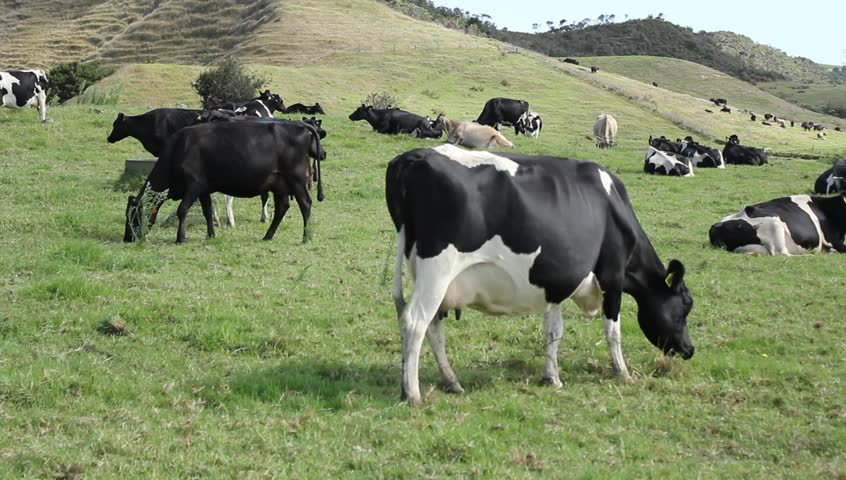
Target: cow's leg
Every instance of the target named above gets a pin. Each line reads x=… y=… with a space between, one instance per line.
x=182 y=212
x=611 y=313
x=42 y=106
x=280 y=207
x=304 y=202
x=553 y=330
x=433 y=277
x=437 y=340
x=396 y=290
x=230 y=213
x=206 y=203
x=265 y=197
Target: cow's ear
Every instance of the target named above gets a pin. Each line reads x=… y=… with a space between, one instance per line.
x=120 y=116
x=675 y=275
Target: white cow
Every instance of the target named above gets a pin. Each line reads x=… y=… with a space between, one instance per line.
x=474 y=135
x=605 y=130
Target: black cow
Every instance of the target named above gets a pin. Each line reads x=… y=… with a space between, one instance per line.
x=793 y=225
x=654 y=84
x=153 y=128
x=503 y=111
x=737 y=154
x=767 y=124
x=832 y=180
x=753 y=117
x=836 y=129
x=395 y=121
x=720 y=101
x=572 y=61
x=238 y=158
x=665 y=145
x=594 y=69
x=725 y=109
x=315 y=109
x=709 y=111
x=510 y=234
x=768 y=116
x=24 y=88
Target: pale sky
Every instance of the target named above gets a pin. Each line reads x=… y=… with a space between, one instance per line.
x=812 y=29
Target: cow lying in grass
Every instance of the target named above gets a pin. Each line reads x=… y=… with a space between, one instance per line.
x=395 y=121
x=666 y=163
x=474 y=135
x=793 y=225
x=241 y=159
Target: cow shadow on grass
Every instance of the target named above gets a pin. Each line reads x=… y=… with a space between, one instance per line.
x=337 y=385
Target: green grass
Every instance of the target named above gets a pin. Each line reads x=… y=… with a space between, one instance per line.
x=813 y=95
x=699 y=81
x=251 y=359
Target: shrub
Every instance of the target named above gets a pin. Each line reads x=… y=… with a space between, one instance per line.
x=227 y=81
x=381 y=100
x=68 y=80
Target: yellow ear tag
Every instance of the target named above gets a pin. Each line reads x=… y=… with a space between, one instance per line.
x=669 y=279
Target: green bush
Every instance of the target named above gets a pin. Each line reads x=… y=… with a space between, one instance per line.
x=68 y=80
x=228 y=80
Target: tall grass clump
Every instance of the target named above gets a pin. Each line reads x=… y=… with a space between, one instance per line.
x=94 y=95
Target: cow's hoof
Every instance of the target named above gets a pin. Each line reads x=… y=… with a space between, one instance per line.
x=452 y=387
x=552 y=382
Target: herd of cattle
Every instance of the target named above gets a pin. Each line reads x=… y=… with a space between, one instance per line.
x=477 y=229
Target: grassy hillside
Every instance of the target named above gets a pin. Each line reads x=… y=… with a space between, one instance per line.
x=820 y=97
x=699 y=81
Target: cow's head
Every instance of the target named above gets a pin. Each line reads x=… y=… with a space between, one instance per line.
x=119 y=129
x=360 y=113
x=316 y=123
x=662 y=313
x=275 y=103
x=134 y=212
x=734 y=139
x=318 y=109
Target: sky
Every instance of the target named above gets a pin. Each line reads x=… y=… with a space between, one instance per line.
x=813 y=29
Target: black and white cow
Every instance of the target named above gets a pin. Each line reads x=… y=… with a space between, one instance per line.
x=737 y=154
x=503 y=111
x=667 y=163
x=702 y=155
x=832 y=180
x=238 y=158
x=794 y=225
x=529 y=124
x=24 y=88
x=262 y=107
x=507 y=234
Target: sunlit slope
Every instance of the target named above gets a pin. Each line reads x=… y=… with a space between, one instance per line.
x=703 y=82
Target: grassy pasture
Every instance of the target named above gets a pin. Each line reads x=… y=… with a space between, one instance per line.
x=250 y=359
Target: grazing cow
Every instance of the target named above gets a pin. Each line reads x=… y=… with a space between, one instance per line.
x=654 y=84
x=725 y=109
x=262 y=108
x=794 y=225
x=702 y=155
x=315 y=109
x=666 y=163
x=719 y=101
x=24 y=88
x=768 y=116
x=605 y=130
x=529 y=124
x=818 y=127
x=737 y=154
x=821 y=136
x=395 y=121
x=594 y=69
x=807 y=126
x=474 y=135
x=753 y=117
x=153 y=128
x=709 y=111
x=836 y=129
x=241 y=159
x=572 y=61
x=508 y=234
x=832 y=180
x=665 y=145
x=502 y=111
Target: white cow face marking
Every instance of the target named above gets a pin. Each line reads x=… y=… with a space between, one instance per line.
x=472 y=159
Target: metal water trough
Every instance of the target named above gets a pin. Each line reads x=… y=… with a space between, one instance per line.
x=135 y=166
